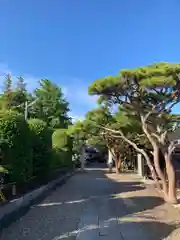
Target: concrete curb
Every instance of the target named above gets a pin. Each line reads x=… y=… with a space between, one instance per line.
x=18 y=207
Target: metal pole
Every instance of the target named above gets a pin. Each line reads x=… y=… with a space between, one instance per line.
x=26 y=110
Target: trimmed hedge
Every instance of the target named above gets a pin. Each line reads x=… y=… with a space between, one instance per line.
x=16 y=152
x=62 y=149
x=41 y=137
x=31 y=149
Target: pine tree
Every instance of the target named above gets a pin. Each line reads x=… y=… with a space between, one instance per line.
x=20 y=95
x=7 y=96
x=21 y=85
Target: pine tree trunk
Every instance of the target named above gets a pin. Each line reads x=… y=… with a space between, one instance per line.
x=118 y=163
x=172 y=198
x=160 y=173
x=110 y=156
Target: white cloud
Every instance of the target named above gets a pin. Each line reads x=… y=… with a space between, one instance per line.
x=80 y=95
x=31 y=81
x=76 y=92
x=78 y=89
x=65 y=91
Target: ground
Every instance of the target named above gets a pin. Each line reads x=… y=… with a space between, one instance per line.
x=99 y=206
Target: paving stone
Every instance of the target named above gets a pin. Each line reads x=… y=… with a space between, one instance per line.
x=97 y=206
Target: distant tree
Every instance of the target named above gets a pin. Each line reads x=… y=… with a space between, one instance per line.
x=6 y=98
x=106 y=126
x=50 y=105
x=14 y=97
x=20 y=95
x=8 y=84
x=79 y=134
x=21 y=85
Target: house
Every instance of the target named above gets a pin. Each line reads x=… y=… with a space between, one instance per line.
x=175 y=137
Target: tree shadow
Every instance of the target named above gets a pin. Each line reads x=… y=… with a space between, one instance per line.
x=124 y=230
x=90 y=205
x=94 y=180
x=123 y=222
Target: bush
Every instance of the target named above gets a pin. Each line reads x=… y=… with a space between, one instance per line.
x=42 y=147
x=62 y=149
x=15 y=144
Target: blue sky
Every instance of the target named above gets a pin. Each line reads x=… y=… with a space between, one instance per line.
x=74 y=42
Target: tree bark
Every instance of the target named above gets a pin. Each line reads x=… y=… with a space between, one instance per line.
x=118 y=163
x=155 y=155
x=172 y=198
x=159 y=171
x=110 y=158
x=134 y=145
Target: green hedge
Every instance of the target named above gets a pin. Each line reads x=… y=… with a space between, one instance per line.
x=30 y=148
x=62 y=149
x=15 y=144
x=42 y=147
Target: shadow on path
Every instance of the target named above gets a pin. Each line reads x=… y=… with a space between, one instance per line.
x=90 y=204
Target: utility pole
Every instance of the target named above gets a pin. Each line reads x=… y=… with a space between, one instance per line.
x=26 y=110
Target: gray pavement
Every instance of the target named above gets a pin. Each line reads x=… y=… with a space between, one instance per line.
x=91 y=206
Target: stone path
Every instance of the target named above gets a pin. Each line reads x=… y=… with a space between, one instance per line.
x=98 y=206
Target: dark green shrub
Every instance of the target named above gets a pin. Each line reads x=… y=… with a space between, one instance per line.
x=15 y=145
x=42 y=147
x=62 y=149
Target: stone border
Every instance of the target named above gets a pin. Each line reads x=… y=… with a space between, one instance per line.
x=16 y=208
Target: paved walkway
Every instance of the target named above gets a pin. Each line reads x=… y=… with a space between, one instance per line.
x=98 y=206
